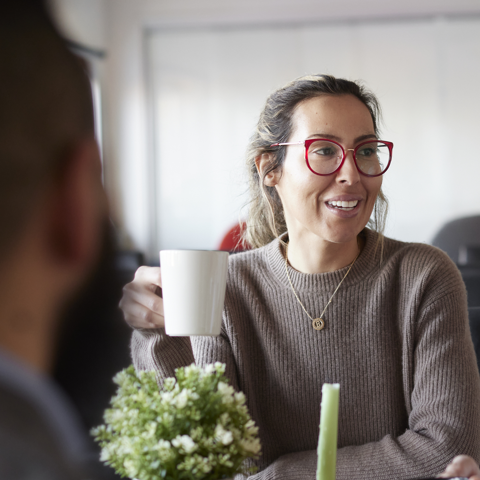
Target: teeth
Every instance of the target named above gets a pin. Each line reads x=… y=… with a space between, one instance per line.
x=343 y=204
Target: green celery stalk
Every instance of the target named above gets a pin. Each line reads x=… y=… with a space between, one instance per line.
x=327 y=443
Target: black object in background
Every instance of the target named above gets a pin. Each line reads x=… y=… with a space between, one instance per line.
x=460 y=239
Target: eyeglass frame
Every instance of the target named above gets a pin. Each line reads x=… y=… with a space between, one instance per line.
x=306 y=143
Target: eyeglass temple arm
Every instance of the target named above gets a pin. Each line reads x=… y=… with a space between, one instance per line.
x=281 y=144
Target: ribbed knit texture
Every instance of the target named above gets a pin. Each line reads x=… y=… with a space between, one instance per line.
x=396 y=339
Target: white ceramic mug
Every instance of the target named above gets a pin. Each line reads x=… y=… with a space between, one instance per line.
x=193 y=291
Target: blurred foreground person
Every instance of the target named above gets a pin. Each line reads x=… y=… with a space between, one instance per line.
x=52 y=213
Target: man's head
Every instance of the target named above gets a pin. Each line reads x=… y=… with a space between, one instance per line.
x=52 y=205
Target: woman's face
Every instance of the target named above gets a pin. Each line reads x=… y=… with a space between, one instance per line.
x=310 y=201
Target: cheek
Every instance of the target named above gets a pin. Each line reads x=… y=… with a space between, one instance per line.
x=305 y=188
x=298 y=187
x=373 y=186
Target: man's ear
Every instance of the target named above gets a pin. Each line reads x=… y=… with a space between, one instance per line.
x=263 y=162
x=78 y=207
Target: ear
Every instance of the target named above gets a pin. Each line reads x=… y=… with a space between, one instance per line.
x=263 y=162
x=77 y=208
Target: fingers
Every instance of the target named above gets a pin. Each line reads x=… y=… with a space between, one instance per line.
x=462 y=466
x=141 y=304
x=148 y=276
x=143 y=295
x=139 y=316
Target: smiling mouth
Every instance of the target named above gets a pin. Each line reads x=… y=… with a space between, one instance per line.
x=342 y=205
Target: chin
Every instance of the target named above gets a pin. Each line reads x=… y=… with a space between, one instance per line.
x=342 y=237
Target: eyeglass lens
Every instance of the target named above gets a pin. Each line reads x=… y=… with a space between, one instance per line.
x=324 y=157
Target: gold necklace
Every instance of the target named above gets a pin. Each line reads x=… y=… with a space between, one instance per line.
x=317 y=323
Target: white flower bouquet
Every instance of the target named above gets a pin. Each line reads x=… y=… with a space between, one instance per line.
x=195 y=427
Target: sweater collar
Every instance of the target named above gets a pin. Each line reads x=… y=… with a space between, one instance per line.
x=367 y=261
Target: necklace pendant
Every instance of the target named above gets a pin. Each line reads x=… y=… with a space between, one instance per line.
x=318 y=324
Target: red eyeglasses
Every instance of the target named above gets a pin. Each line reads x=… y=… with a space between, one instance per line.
x=325 y=157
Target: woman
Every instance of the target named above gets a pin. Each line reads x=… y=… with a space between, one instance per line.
x=331 y=300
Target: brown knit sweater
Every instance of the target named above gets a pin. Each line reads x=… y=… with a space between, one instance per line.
x=396 y=339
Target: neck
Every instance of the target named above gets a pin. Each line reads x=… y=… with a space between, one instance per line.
x=321 y=256
x=27 y=314
x=25 y=338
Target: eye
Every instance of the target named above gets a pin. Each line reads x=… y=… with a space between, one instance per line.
x=367 y=152
x=325 y=151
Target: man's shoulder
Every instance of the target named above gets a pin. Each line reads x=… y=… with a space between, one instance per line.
x=28 y=448
x=34 y=420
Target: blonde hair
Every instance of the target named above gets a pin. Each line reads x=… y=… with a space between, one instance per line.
x=266 y=220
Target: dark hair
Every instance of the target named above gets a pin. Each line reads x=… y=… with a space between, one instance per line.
x=266 y=219
x=45 y=107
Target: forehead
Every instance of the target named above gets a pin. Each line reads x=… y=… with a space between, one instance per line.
x=341 y=115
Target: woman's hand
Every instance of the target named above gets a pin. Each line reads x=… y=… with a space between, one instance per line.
x=141 y=302
x=462 y=466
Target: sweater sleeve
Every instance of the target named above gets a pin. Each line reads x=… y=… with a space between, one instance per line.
x=155 y=350
x=444 y=418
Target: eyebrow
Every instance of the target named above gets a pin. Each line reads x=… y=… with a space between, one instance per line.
x=337 y=139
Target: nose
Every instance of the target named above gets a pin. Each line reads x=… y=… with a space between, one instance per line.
x=349 y=173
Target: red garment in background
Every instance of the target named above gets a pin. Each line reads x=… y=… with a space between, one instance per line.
x=231 y=241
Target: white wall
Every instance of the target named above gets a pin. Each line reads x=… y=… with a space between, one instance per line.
x=210 y=85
